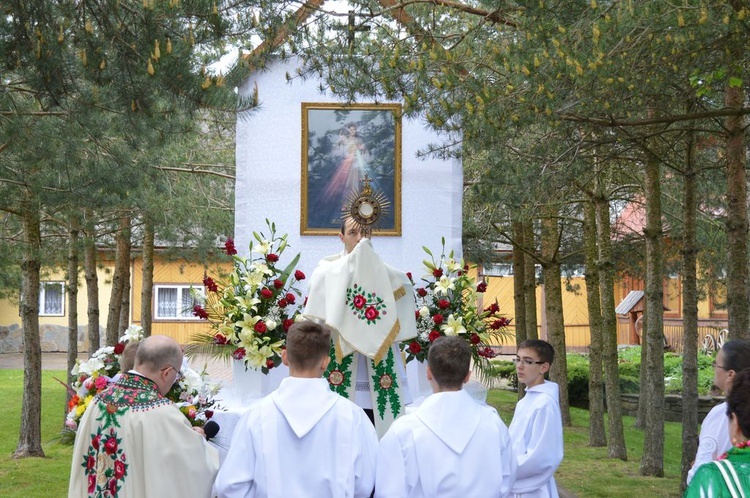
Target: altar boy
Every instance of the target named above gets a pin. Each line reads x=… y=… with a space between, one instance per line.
x=302 y=439
x=451 y=445
x=536 y=427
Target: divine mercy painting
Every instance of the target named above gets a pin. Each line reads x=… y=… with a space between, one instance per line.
x=343 y=147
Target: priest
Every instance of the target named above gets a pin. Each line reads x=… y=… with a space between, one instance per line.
x=133 y=442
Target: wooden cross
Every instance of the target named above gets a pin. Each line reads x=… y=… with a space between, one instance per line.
x=352 y=28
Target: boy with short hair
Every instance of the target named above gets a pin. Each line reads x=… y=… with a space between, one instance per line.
x=302 y=439
x=536 y=428
x=451 y=445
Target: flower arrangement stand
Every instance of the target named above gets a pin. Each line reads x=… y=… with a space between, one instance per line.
x=249 y=385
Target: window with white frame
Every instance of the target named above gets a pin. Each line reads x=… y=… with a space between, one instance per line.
x=52 y=299
x=175 y=302
x=498 y=270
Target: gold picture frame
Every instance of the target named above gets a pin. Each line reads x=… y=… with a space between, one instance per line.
x=340 y=144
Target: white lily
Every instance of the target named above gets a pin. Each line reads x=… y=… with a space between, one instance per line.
x=454 y=326
x=452 y=265
x=263 y=248
x=247 y=324
x=443 y=285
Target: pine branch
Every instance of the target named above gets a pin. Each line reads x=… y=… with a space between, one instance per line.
x=196 y=170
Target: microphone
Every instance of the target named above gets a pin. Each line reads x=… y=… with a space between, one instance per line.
x=211 y=429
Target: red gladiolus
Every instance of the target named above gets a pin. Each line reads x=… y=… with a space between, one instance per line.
x=474 y=339
x=481 y=286
x=371 y=313
x=299 y=275
x=493 y=308
x=438 y=319
x=271 y=257
x=290 y=298
x=229 y=247
x=119 y=347
x=437 y=272
x=443 y=304
x=421 y=292
x=359 y=301
x=288 y=323
x=282 y=303
x=504 y=321
x=220 y=339
x=408 y=275
x=238 y=353
x=278 y=284
x=200 y=312
x=266 y=293
x=433 y=335
x=414 y=347
x=210 y=284
x=260 y=327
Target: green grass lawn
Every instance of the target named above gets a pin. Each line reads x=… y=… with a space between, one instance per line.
x=585 y=471
x=588 y=472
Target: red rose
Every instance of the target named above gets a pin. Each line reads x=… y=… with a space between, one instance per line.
x=416 y=314
x=110 y=445
x=371 y=313
x=208 y=414
x=408 y=275
x=438 y=319
x=359 y=301
x=421 y=292
x=481 y=286
x=443 y=303
x=433 y=335
x=437 y=272
x=414 y=347
x=271 y=257
x=119 y=469
x=283 y=303
x=270 y=364
x=220 y=339
x=229 y=247
x=299 y=275
x=238 y=353
x=260 y=327
x=278 y=284
x=95 y=441
x=290 y=298
x=266 y=293
x=474 y=339
x=288 y=323
x=210 y=284
x=119 y=347
x=493 y=308
x=92 y=483
x=200 y=312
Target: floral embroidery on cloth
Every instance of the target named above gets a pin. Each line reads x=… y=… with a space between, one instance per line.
x=366 y=306
x=105 y=463
x=386 y=385
x=339 y=375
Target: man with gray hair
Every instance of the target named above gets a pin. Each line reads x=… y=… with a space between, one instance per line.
x=133 y=442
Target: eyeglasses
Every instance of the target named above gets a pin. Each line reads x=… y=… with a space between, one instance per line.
x=179 y=376
x=527 y=361
x=716 y=365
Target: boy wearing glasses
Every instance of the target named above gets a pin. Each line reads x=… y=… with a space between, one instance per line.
x=451 y=446
x=302 y=439
x=536 y=428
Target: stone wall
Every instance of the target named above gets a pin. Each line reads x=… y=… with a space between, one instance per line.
x=54 y=338
x=672 y=406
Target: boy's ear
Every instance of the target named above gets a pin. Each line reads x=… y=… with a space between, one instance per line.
x=284 y=359
x=545 y=368
x=324 y=362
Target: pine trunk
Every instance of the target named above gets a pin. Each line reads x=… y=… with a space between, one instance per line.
x=115 y=299
x=30 y=433
x=72 y=295
x=148 y=278
x=689 y=315
x=92 y=290
x=738 y=293
x=519 y=303
x=127 y=247
x=529 y=281
x=652 y=392
x=554 y=309
x=616 y=445
x=597 y=434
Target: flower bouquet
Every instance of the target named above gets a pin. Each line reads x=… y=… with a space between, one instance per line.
x=194 y=396
x=251 y=310
x=447 y=306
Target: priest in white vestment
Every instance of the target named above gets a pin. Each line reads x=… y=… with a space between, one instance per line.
x=451 y=445
x=302 y=440
x=134 y=443
x=369 y=305
x=536 y=427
